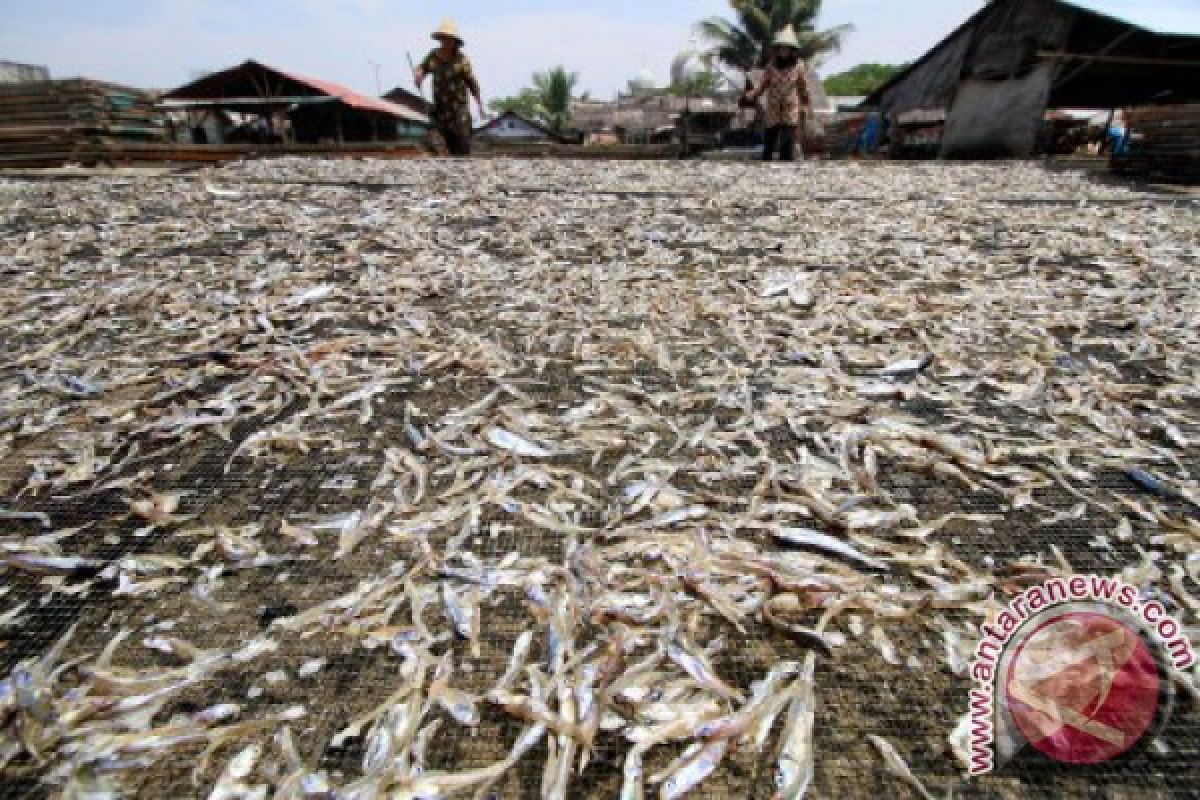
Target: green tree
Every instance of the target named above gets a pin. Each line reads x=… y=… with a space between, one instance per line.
x=861 y=80
x=524 y=103
x=700 y=84
x=743 y=43
x=548 y=101
x=555 y=89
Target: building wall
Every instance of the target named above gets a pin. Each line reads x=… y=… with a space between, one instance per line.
x=999 y=104
x=11 y=72
x=508 y=129
x=998 y=119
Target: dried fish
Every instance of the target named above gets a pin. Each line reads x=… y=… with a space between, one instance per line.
x=695 y=771
x=794 y=769
x=506 y=440
x=822 y=542
x=402 y=430
x=895 y=764
x=32 y=516
x=697 y=666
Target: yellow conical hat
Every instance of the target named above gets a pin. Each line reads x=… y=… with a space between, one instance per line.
x=448 y=30
x=787 y=38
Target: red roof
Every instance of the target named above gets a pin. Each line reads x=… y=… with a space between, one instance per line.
x=351 y=97
x=247 y=80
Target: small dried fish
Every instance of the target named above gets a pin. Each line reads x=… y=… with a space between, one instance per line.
x=695 y=771
x=795 y=765
x=463 y=610
x=697 y=666
x=822 y=542
x=896 y=765
x=31 y=516
x=596 y=428
x=506 y=440
x=909 y=367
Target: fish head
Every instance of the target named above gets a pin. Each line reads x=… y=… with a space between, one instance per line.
x=787 y=774
x=315 y=786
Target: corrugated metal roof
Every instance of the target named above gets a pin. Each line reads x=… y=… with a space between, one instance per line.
x=1157 y=17
x=352 y=98
x=213 y=87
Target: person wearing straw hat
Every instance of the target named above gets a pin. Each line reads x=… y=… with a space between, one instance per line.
x=786 y=89
x=453 y=79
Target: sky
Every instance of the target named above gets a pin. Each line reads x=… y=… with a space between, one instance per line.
x=166 y=43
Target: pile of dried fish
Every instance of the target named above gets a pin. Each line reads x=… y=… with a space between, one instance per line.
x=424 y=480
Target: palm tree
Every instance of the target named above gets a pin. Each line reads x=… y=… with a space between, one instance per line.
x=554 y=89
x=744 y=42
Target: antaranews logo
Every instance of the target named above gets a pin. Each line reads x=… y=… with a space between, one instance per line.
x=1077 y=668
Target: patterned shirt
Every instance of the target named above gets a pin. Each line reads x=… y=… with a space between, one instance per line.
x=786 y=94
x=453 y=79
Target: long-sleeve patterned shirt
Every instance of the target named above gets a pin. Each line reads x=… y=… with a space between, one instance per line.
x=453 y=82
x=786 y=93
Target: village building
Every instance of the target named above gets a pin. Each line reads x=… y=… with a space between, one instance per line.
x=289 y=108
x=512 y=128
x=13 y=72
x=984 y=90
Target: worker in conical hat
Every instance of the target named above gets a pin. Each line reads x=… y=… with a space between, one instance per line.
x=453 y=80
x=786 y=89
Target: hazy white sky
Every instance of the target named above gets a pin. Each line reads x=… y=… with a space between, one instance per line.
x=164 y=43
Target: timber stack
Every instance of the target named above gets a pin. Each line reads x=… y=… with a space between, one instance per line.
x=52 y=123
x=1164 y=144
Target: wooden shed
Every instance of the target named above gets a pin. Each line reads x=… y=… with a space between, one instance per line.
x=317 y=111
x=998 y=73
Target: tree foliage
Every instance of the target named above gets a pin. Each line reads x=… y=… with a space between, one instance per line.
x=861 y=80
x=547 y=101
x=524 y=103
x=699 y=84
x=555 y=90
x=743 y=42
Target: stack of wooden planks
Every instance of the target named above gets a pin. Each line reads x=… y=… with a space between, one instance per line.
x=1164 y=144
x=51 y=123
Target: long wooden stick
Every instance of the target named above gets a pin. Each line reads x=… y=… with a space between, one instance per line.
x=413 y=67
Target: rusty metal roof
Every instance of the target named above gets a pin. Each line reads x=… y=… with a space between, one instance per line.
x=237 y=79
x=354 y=99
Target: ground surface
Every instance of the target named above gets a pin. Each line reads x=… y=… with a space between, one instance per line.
x=629 y=376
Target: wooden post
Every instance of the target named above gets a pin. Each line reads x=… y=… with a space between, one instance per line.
x=341 y=138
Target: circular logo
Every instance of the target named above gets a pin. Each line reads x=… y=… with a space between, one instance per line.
x=1083 y=687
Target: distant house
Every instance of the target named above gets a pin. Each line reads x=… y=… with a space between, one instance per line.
x=413 y=102
x=290 y=106
x=648 y=115
x=512 y=128
x=12 y=72
x=403 y=97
